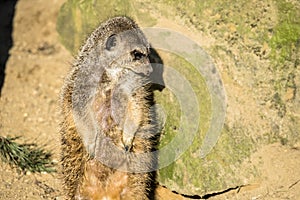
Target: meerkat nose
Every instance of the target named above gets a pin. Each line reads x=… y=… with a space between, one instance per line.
x=127 y=143
x=127 y=148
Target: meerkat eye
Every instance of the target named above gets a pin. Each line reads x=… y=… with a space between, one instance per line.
x=111 y=42
x=137 y=55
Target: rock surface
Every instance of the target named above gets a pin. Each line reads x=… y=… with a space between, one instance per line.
x=255 y=46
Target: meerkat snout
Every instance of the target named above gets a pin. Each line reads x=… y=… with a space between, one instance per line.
x=127 y=148
x=148 y=70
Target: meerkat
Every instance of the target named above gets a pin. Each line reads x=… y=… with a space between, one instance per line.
x=108 y=133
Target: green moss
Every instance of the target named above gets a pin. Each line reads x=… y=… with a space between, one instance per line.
x=236 y=143
x=286 y=32
x=220 y=166
x=190 y=171
x=217 y=170
x=171 y=105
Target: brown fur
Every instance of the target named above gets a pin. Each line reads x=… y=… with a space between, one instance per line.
x=84 y=175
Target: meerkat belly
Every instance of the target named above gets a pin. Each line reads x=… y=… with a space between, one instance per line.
x=102 y=183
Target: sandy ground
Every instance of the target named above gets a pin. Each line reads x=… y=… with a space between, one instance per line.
x=34 y=76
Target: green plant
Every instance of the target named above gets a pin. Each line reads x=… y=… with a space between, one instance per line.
x=26 y=157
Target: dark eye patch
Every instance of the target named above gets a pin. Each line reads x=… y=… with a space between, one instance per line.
x=137 y=55
x=111 y=42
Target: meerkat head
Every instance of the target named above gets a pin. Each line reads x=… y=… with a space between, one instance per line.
x=126 y=48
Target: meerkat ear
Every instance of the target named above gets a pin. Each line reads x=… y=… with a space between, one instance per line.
x=111 y=42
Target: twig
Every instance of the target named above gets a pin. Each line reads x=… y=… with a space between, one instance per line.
x=295 y=183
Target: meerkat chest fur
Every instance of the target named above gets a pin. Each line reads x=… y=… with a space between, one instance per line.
x=121 y=106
